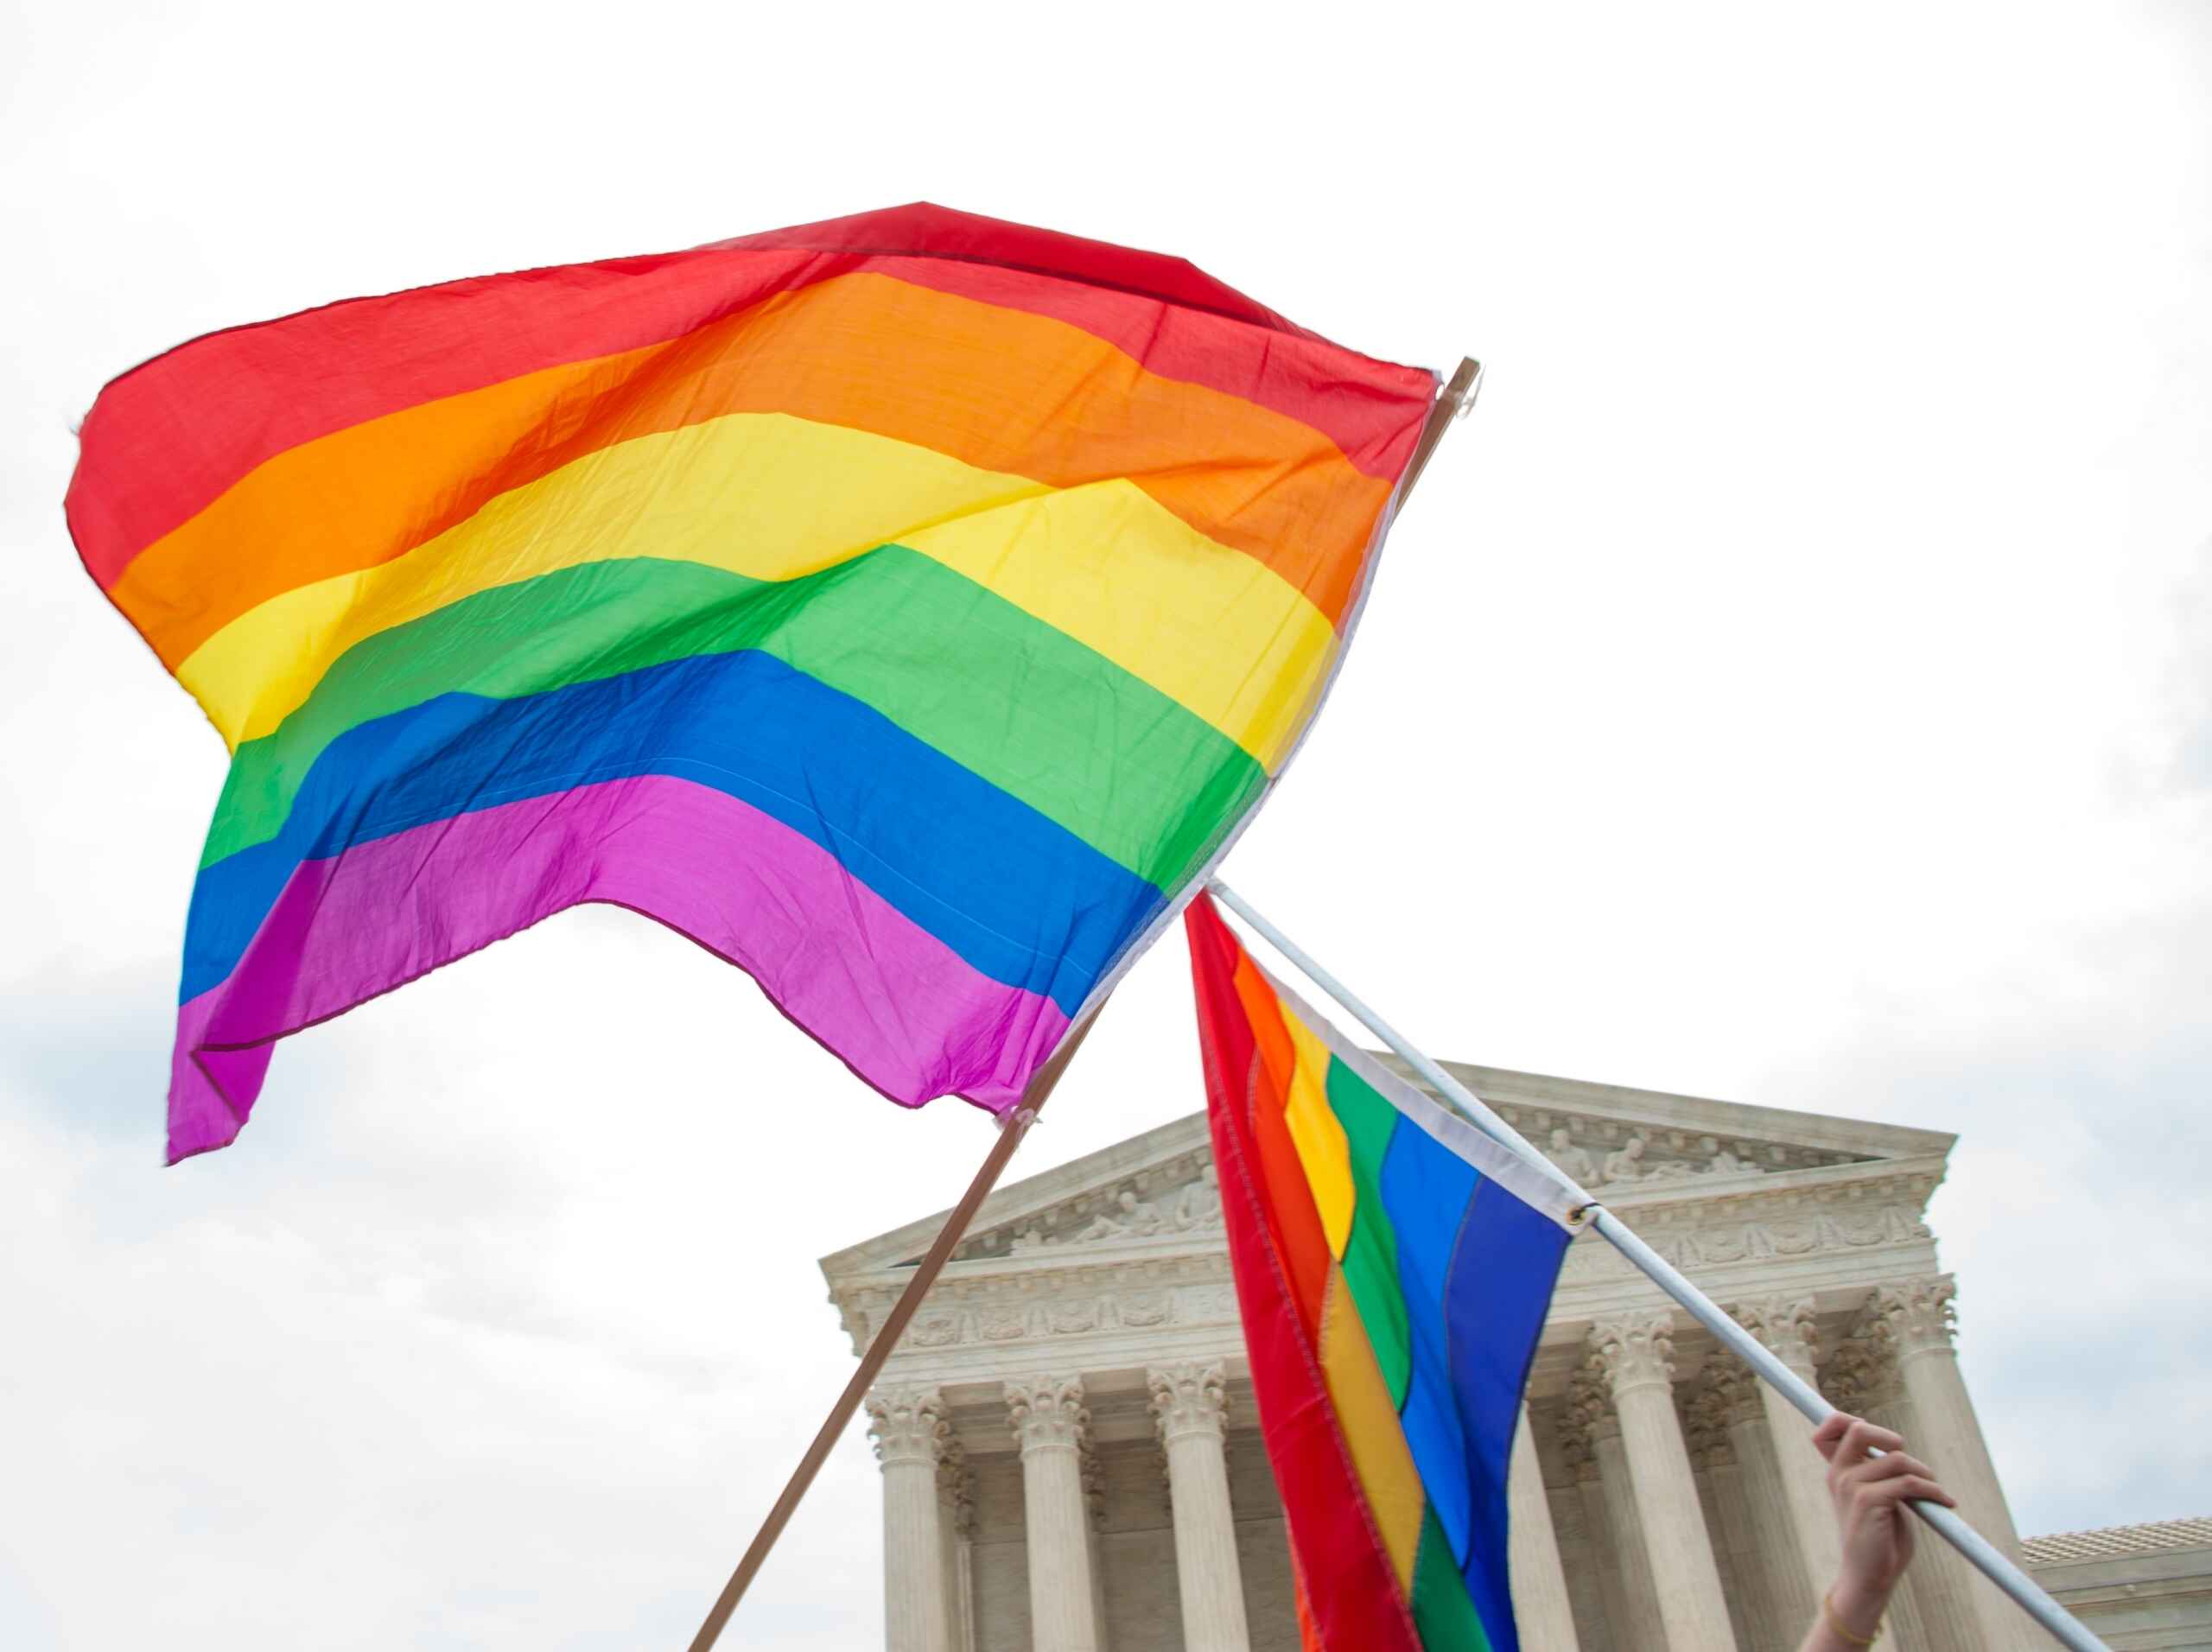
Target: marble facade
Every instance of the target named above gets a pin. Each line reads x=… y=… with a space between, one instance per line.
x=1070 y=1449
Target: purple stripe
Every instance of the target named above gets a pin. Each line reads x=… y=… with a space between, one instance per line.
x=903 y=1010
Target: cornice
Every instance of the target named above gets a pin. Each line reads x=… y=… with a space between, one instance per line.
x=1909 y=1181
x=1507 y=1090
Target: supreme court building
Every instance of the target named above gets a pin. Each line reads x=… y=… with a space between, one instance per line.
x=1071 y=1459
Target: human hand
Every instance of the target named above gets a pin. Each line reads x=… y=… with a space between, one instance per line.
x=1876 y=1527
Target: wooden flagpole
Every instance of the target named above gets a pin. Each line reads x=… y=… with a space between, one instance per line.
x=1010 y=1132
x=1453 y=402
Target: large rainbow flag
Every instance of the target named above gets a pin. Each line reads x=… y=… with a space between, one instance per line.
x=1394 y=1267
x=908 y=608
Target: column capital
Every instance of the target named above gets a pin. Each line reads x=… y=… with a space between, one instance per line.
x=1734 y=1389
x=1785 y=1326
x=1861 y=1376
x=1574 y=1447
x=956 y=1489
x=1191 y=1398
x=1705 y=1427
x=1047 y=1413
x=908 y=1425
x=1916 y=1316
x=1635 y=1351
x=1587 y=1416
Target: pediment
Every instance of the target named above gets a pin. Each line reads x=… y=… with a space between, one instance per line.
x=1077 y=1202
x=1153 y=1195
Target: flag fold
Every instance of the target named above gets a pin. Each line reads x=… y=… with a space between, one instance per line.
x=1394 y=1267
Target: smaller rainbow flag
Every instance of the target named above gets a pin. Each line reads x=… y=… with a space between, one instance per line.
x=1394 y=1267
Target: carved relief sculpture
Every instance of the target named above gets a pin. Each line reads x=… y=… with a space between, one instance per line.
x=1625 y=1164
x=1199 y=1206
x=1574 y=1163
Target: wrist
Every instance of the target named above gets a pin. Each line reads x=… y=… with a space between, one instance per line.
x=1858 y=1605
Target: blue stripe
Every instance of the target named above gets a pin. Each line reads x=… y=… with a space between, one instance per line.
x=1498 y=1292
x=1426 y=1189
x=1019 y=897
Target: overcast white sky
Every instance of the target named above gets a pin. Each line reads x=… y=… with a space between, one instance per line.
x=1793 y=685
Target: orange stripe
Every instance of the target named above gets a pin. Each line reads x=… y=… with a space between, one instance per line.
x=1001 y=390
x=1309 y=1632
x=1295 y=1222
x=1369 y=1418
x=1264 y=1011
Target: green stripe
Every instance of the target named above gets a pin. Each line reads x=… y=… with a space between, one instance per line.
x=1371 y=1253
x=1443 y=1612
x=1125 y=768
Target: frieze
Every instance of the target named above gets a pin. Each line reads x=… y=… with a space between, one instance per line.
x=1206 y=1304
x=1144 y=1309
x=1794 y=1223
x=1025 y=1317
x=934 y=1331
x=864 y=1306
x=1066 y=1319
x=1170 y=1202
x=1194 y=1289
x=1146 y=1250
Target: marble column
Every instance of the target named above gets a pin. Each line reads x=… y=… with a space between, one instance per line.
x=911 y=1435
x=1052 y=1428
x=956 y=1505
x=1633 y=1607
x=1929 y=1613
x=1785 y=1327
x=1724 y=1560
x=1636 y=1354
x=1578 y=1557
x=1728 y=1516
x=1601 y=1550
x=1190 y=1404
x=1629 y=1595
x=1915 y=1320
x=1541 y=1607
x=1777 y=1616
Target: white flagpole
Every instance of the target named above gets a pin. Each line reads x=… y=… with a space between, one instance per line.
x=1986 y=1556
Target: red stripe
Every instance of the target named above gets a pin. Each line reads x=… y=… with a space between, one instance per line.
x=1293 y=1221
x=1351 y=1591
x=943 y=232
x=168 y=437
x=1309 y=1633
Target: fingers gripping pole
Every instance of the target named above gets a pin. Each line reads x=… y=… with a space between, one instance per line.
x=1990 y=1561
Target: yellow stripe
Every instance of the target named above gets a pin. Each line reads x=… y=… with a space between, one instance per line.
x=1323 y=1151
x=774 y=497
x=1372 y=1432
